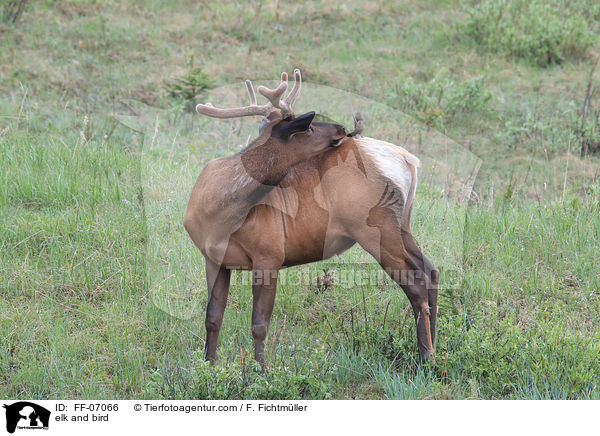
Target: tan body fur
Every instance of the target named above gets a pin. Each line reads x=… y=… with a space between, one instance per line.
x=322 y=207
x=308 y=217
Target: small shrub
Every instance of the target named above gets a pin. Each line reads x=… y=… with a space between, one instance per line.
x=187 y=88
x=590 y=136
x=543 y=32
x=441 y=99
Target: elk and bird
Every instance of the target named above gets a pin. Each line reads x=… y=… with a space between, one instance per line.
x=301 y=192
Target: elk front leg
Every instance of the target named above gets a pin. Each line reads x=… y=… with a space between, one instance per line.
x=217 y=278
x=264 y=286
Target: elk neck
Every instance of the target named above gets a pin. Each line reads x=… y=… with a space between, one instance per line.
x=269 y=162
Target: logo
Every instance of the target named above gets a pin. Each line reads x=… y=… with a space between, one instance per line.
x=26 y=415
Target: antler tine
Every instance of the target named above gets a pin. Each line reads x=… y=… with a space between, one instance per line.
x=274 y=95
x=295 y=92
x=251 y=92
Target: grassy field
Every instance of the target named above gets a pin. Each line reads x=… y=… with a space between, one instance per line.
x=102 y=293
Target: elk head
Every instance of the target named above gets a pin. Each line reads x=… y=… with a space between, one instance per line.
x=298 y=138
x=306 y=138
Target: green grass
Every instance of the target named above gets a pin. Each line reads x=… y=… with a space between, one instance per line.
x=102 y=293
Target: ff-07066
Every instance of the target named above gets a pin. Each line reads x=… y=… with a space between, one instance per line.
x=96 y=407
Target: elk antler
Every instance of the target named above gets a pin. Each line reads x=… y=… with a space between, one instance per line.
x=276 y=103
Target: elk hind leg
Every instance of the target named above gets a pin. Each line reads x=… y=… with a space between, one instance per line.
x=406 y=272
x=431 y=273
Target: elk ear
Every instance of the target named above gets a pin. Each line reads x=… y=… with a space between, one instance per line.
x=300 y=124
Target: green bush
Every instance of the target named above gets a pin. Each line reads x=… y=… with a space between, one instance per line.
x=242 y=379
x=186 y=89
x=504 y=357
x=441 y=99
x=540 y=31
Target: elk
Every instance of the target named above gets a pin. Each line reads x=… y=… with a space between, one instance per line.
x=301 y=192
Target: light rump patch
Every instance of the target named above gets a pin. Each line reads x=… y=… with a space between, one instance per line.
x=393 y=161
